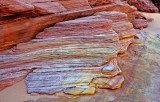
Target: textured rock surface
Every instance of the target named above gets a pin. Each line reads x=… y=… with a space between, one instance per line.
x=24 y=26
x=120 y=23
x=10 y=7
x=69 y=57
x=12 y=77
x=144 y=5
x=75 y=5
x=157 y=4
x=131 y=11
x=121 y=26
x=75 y=56
x=140 y=69
x=141 y=74
x=102 y=2
x=140 y=23
x=48 y=7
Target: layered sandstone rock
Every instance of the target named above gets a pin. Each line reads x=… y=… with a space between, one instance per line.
x=75 y=5
x=121 y=26
x=75 y=56
x=25 y=25
x=12 y=7
x=144 y=5
x=46 y=6
x=69 y=55
x=102 y=2
x=120 y=23
x=131 y=11
x=82 y=43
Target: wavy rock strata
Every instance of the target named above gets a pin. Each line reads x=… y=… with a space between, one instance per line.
x=21 y=20
x=75 y=56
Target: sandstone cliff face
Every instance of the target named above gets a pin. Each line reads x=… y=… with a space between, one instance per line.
x=144 y=5
x=75 y=56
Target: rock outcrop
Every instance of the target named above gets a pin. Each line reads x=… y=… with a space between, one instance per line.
x=68 y=52
x=12 y=7
x=144 y=5
x=140 y=23
x=102 y=2
x=157 y=4
x=75 y=59
x=30 y=17
x=75 y=5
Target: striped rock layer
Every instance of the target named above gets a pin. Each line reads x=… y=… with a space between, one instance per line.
x=22 y=20
x=144 y=5
x=75 y=56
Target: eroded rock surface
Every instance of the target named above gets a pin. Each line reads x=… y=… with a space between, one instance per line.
x=140 y=23
x=144 y=5
x=82 y=57
x=31 y=16
x=10 y=7
x=75 y=5
x=75 y=56
x=102 y=2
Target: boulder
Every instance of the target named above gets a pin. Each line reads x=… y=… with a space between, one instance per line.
x=144 y=5
x=140 y=23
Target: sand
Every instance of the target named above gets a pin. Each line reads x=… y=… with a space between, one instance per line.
x=154 y=27
x=18 y=92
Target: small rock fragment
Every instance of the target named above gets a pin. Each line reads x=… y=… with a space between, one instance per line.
x=140 y=23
